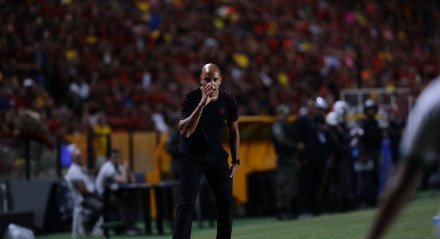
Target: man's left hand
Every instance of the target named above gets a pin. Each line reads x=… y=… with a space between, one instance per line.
x=233 y=168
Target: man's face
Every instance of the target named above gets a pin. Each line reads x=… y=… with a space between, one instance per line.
x=311 y=109
x=371 y=112
x=78 y=158
x=211 y=76
x=116 y=157
x=321 y=112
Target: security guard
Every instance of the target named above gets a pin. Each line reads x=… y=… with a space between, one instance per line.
x=312 y=133
x=285 y=148
x=371 y=142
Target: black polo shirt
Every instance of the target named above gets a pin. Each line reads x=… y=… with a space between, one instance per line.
x=205 y=141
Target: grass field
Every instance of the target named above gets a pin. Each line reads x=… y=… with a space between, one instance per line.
x=414 y=223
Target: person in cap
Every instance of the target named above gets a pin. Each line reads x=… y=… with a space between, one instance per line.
x=311 y=131
x=370 y=146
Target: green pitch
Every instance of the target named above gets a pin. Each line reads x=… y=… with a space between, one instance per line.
x=414 y=223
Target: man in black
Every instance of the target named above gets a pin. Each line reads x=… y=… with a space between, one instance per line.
x=371 y=143
x=312 y=132
x=285 y=148
x=204 y=111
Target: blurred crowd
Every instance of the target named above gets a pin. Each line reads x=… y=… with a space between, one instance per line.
x=124 y=65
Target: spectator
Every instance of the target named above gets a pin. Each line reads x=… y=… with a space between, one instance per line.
x=284 y=53
x=101 y=134
x=87 y=204
x=116 y=170
x=80 y=91
x=267 y=52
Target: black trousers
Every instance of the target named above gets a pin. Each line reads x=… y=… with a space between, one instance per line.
x=217 y=173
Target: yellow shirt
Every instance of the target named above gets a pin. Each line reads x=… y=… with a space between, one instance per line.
x=100 y=139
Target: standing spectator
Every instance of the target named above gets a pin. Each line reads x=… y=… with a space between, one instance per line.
x=33 y=132
x=80 y=88
x=285 y=147
x=80 y=91
x=101 y=133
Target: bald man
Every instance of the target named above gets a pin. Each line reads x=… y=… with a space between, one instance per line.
x=203 y=114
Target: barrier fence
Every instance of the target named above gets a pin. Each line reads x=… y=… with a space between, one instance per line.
x=22 y=158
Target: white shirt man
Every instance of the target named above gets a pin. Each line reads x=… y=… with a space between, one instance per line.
x=82 y=188
x=76 y=177
x=80 y=88
x=108 y=171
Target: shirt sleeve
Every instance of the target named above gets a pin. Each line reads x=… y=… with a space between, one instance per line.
x=233 y=115
x=421 y=137
x=185 y=108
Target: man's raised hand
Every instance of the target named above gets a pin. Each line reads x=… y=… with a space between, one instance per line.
x=208 y=94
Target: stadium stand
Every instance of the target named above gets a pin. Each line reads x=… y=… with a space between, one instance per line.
x=131 y=59
x=84 y=71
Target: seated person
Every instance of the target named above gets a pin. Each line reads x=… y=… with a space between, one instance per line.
x=116 y=170
x=85 y=198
